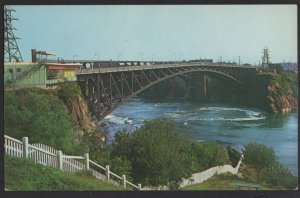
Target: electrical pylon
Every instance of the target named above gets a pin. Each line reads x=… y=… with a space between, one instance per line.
x=266 y=57
x=11 y=49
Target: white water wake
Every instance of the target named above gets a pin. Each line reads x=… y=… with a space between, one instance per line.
x=116 y=119
x=228 y=119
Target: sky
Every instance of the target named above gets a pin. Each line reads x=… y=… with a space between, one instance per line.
x=159 y=32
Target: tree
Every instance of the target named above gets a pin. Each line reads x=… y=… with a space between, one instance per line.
x=158 y=154
x=209 y=154
x=259 y=157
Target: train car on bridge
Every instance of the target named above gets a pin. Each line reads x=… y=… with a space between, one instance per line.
x=202 y=60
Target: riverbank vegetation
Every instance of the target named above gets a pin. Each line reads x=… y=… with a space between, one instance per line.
x=262 y=167
x=40 y=115
x=259 y=167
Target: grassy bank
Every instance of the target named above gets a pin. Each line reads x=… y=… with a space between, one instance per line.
x=25 y=175
x=226 y=182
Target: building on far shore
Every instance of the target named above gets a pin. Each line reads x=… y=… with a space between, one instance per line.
x=289 y=66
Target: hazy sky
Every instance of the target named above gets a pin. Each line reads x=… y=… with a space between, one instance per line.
x=162 y=32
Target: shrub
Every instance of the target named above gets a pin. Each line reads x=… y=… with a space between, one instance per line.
x=259 y=157
x=209 y=154
x=68 y=90
x=280 y=175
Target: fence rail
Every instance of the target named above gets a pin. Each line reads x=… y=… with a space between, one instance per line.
x=13 y=147
x=46 y=155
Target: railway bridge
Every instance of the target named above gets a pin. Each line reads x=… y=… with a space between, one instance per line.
x=106 y=88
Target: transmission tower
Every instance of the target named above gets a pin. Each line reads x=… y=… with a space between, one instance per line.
x=11 y=49
x=266 y=57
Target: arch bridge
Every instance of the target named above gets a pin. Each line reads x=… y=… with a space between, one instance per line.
x=106 y=88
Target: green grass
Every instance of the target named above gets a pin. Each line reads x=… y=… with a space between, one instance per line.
x=21 y=174
x=226 y=182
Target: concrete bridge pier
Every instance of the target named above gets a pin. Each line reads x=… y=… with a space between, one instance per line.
x=205 y=86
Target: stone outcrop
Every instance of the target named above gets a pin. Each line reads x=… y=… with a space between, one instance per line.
x=86 y=125
x=278 y=102
x=80 y=111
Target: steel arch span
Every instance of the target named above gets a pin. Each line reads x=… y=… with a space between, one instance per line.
x=106 y=89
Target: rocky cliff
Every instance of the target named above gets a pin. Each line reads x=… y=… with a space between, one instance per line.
x=78 y=108
x=278 y=101
x=80 y=111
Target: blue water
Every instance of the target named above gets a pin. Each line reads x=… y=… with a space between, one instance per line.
x=226 y=124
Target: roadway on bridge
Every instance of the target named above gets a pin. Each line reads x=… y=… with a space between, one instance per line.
x=153 y=66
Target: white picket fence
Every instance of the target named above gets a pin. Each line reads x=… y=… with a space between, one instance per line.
x=48 y=156
x=200 y=177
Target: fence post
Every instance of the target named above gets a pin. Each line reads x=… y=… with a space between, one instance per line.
x=25 y=147
x=60 y=159
x=87 y=161
x=124 y=181
x=107 y=172
x=140 y=186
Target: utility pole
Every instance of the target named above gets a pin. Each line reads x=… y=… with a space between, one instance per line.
x=239 y=60
x=11 y=49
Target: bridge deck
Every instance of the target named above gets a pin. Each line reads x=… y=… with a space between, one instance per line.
x=155 y=66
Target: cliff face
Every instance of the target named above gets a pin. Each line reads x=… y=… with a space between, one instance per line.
x=279 y=102
x=70 y=93
x=79 y=110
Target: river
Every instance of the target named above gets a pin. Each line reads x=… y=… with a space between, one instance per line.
x=226 y=124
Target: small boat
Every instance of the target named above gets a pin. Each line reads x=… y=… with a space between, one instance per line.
x=128 y=121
